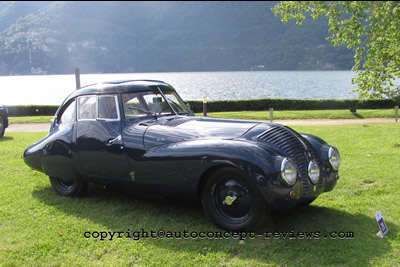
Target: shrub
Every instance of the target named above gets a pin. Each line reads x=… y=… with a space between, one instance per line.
x=31 y=110
x=242 y=105
x=290 y=104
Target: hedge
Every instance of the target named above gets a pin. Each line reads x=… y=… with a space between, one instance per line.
x=242 y=105
x=31 y=110
x=291 y=104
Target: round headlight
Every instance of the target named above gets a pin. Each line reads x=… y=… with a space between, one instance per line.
x=334 y=158
x=288 y=171
x=313 y=171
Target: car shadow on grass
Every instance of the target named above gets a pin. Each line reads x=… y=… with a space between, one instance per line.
x=337 y=237
x=6 y=138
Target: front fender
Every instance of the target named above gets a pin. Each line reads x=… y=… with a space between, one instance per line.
x=184 y=165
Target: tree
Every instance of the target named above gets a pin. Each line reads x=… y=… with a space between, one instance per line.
x=370 y=28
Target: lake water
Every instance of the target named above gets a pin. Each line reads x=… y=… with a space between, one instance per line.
x=52 y=89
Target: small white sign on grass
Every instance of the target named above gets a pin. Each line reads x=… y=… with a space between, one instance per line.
x=382 y=225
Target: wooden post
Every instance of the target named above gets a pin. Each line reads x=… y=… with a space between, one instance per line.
x=205 y=106
x=77 y=78
x=271 y=114
x=396 y=112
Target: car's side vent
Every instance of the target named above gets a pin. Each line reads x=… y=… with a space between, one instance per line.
x=293 y=146
x=177 y=122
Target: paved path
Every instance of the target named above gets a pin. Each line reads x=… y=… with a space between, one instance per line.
x=44 y=127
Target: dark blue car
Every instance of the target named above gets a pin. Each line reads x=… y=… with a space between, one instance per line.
x=141 y=135
x=3 y=119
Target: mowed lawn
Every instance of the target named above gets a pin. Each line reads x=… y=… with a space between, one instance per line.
x=265 y=115
x=38 y=227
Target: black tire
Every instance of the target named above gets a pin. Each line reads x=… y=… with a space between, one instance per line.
x=232 y=201
x=2 y=126
x=73 y=188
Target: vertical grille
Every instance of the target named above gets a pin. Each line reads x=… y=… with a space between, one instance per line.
x=294 y=146
x=314 y=155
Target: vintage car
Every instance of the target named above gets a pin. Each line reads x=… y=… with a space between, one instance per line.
x=3 y=119
x=141 y=135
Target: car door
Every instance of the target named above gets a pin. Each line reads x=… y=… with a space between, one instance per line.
x=99 y=140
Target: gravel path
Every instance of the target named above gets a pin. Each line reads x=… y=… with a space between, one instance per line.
x=44 y=127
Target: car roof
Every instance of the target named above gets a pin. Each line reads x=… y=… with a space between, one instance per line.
x=118 y=86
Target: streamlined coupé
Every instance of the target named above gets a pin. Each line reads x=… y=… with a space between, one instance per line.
x=141 y=135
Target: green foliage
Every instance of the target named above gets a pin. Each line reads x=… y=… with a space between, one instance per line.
x=304 y=114
x=369 y=28
x=31 y=110
x=291 y=104
x=241 y=105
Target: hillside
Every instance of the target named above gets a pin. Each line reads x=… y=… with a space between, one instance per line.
x=115 y=37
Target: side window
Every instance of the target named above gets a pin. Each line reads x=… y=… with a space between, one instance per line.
x=87 y=108
x=132 y=106
x=157 y=104
x=68 y=114
x=108 y=107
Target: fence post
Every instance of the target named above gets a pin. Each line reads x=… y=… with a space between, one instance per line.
x=396 y=112
x=271 y=114
x=205 y=106
x=77 y=78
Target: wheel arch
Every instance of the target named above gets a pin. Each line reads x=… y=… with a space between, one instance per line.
x=246 y=168
x=207 y=174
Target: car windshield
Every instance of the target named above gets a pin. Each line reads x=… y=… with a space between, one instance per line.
x=153 y=103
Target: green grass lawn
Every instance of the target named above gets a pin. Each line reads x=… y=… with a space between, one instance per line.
x=264 y=115
x=31 y=119
x=305 y=114
x=38 y=227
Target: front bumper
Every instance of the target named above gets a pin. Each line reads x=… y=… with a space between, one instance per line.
x=283 y=197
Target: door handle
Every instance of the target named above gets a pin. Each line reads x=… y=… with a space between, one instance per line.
x=111 y=141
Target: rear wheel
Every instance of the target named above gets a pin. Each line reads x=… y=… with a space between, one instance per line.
x=232 y=201
x=73 y=188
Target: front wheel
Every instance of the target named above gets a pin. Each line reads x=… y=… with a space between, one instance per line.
x=73 y=188
x=232 y=201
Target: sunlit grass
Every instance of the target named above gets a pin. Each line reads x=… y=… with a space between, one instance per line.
x=265 y=115
x=39 y=227
x=305 y=114
x=31 y=119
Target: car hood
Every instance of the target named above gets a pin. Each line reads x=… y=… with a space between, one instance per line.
x=180 y=129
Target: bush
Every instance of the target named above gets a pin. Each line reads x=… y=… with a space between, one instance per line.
x=31 y=110
x=290 y=104
x=242 y=105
